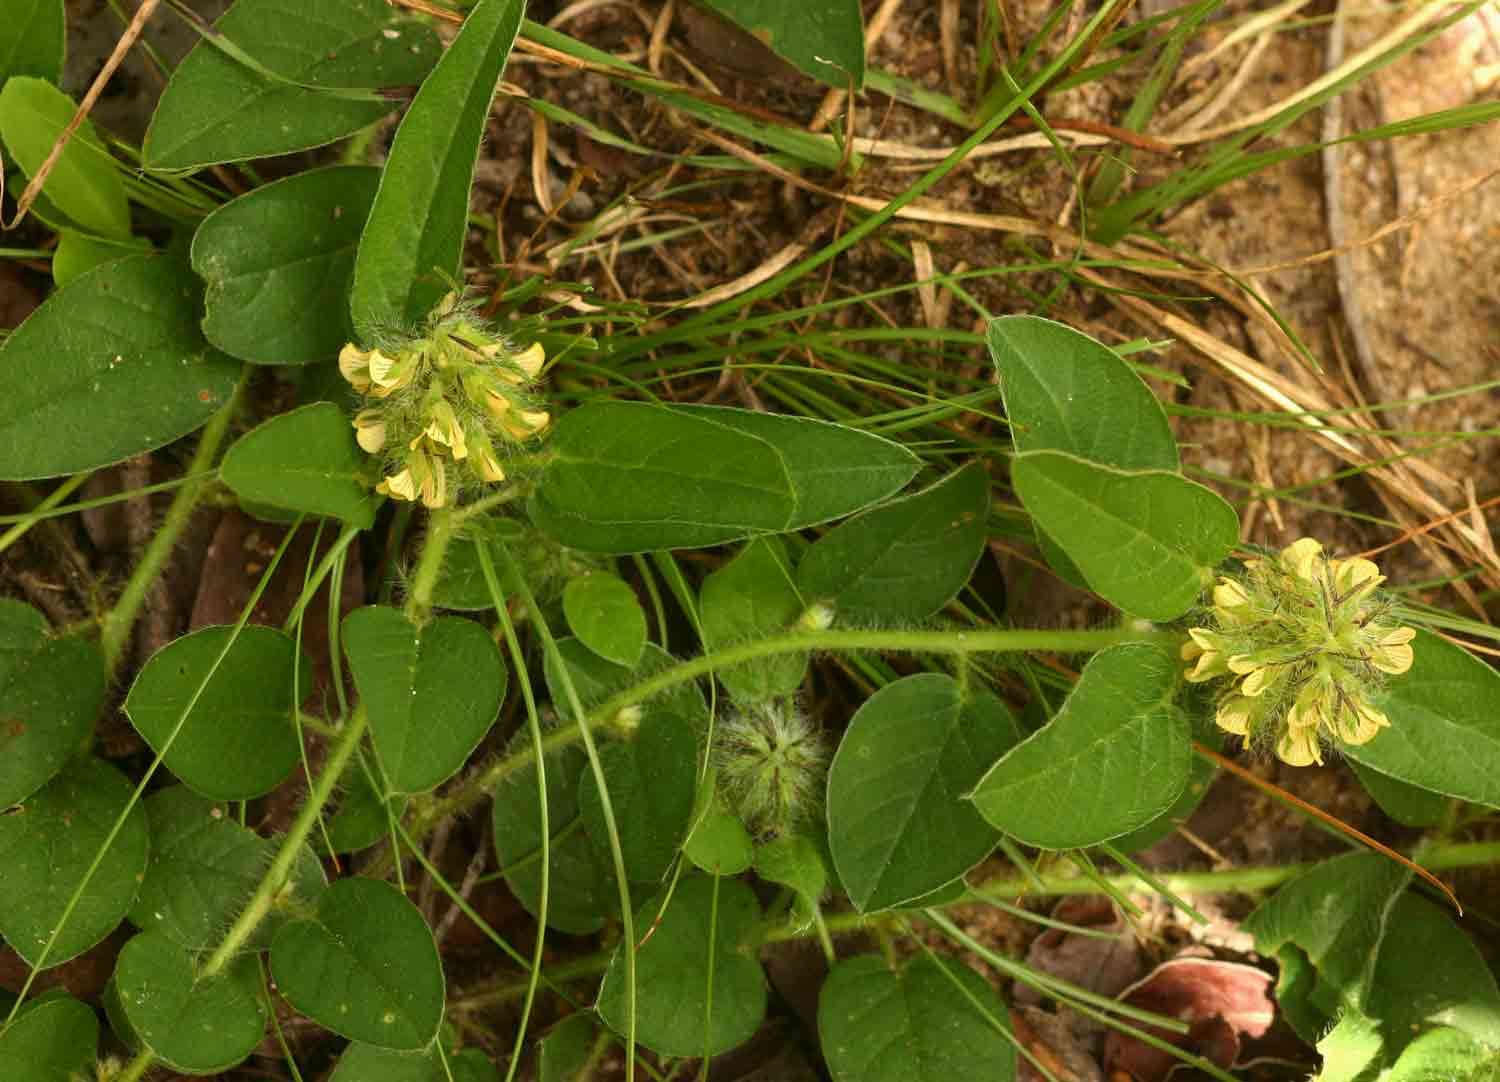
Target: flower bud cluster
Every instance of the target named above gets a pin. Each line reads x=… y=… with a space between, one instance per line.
x=1305 y=642
x=444 y=410
x=772 y=761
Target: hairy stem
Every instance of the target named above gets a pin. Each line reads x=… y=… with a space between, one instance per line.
x=471 y=792
x=114 y=634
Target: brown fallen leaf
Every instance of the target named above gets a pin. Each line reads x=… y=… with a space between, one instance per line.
x=1221 y=1001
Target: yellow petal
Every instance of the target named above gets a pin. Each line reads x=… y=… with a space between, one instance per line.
x=489 y=466
x=1255 y=683
x=369 y=430
x=1299 y=747
x=497 y=404
x=1355 y=577
x=1235 y=714
x=434 y=487
x=1394 y=654
x=402 y=486
x=531 y=359
x=354 y=365
x=1230 y=595
x=1210 y=664
x=389 y=373
x=1190 y=650
x=1243 y=664
x=1361 y=722
x=1302 y=558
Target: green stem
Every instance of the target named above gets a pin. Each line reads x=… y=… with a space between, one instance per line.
x=291 y=846
x=114 y=633
x=470 y=793
x=424 y=580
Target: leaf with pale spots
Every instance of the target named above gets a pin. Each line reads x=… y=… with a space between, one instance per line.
x=365 y=966
x=48 y=845
x=202 y=1025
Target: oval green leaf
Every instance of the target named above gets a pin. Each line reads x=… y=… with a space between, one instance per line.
x=310 y=60
x=1331 y=920
x=718 y=842
x=202 y=1025
x=1445 y=731
x=1113 y=758
x=603 y=612
x=651 y=781
x=1429 y=974
x=32 y=39
x=226 y=732
x=632 y=476
x=411 y=252
x=933 y=1021
x=47 y=848
x=432 y=691
x=365 y=966
x=822 y=38
x=362 y=818
x=905 y=559
x=203 y=866
x=84 y=184
x=1145 y=541
x=305 y=460
x=50 y=693
x=1063 y=391
x=110 y=366
x=278 y=262
x=581 y=888
x=898 y=823
x=699 y=987
x=54 y=1038
x=753 y=597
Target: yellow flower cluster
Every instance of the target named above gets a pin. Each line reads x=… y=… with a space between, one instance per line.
x=440 y=407
x=1305 y=641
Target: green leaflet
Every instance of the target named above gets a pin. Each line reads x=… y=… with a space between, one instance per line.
x=932 y=1021
x=1063 y=391
x=32 y=39
x=111 y=365
x=651 y=781
x=602 y=611
x=364 y=965
x=1112 y=759
x=85 y=183
x=237 y=740
x=631 y=476
x=317 y=62
x=581 y=888
x=1445 y=731
x=50 y=692
x=48 y=847
x=305 y=460
x=203 y=866
x=705 y=936
x=1146 y=541
x=278 y=262
x=54 y=1038
x=411 y=251
x=898 y=823
x=905 y=559
x=432 y=692
x=196 y=1024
